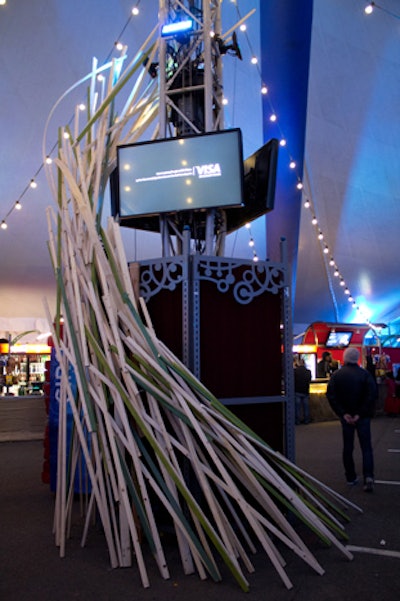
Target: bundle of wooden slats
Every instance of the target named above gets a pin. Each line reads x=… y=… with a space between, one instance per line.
x=146 y=428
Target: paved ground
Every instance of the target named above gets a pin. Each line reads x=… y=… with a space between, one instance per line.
x=30 y=566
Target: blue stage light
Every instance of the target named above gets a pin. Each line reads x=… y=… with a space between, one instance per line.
x=171 y=29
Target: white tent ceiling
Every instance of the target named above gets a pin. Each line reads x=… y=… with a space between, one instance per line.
x=351 y=157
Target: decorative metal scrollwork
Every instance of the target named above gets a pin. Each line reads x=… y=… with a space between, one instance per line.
x=247 y=279
x=162 y=274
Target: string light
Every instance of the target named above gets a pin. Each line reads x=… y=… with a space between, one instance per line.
x=252 y=243
x=33 y=184
x=273 y=118
x=371 y=6
x=336 y=272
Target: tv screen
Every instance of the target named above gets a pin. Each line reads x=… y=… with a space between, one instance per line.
x=179 y=174
x=259 y=186
x=338 y=339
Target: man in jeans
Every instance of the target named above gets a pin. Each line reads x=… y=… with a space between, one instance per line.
x=351 y=393
x=302 y=379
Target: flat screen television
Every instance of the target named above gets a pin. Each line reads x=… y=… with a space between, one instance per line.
x=338 y=339
x=171 y=175
x=259 y=186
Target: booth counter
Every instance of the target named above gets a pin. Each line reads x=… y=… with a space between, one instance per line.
x=320 y=410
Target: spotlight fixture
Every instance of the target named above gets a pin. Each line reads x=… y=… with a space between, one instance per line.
x=233 y=48
x=152 y=68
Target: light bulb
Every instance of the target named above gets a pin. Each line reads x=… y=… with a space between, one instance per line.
x=320 y=236
x=299 y=185
x=49 y=160
x=264 y=90
x=247 y=226
x=331 y=262
x=82 y=106
x=243 y=27
x=273 y=117
x=369 y=8
x=336 y=273
x=119 y=46
x=350 y=299
x=4 y=226
x=282 y=142
x=224 y=101
x=254 y=60
x=135 y=11
x=342 y=282
x=347 y=291
x=307 y=204
x=33 y=184
x=292 y=164
x=18 y=205
x=326 y=250
x=314 y=221
x=251 y=243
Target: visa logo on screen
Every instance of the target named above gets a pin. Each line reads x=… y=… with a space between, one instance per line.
x=211 y=170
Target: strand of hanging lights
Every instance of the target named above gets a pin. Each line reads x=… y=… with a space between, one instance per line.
x=33 y=184
x=369 y=8
x=337 y=275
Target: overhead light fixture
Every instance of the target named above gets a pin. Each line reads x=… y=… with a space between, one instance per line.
x=172 y=29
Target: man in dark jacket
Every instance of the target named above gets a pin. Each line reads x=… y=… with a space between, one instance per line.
x=302 y=379
x=351 y=393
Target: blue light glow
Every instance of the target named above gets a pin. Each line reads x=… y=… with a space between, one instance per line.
x=179 y=27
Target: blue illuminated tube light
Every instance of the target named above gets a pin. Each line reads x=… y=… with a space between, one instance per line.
x=179 y=27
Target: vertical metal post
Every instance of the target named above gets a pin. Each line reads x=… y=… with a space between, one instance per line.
x=287 y=357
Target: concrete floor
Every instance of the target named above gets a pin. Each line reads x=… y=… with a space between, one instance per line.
x=31 y=568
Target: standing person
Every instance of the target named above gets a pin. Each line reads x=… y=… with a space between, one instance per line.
x=351 y=393
x=302 y=379
x=324 y=367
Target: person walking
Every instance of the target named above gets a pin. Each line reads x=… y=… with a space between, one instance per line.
x=302 y=379
x=351 y=393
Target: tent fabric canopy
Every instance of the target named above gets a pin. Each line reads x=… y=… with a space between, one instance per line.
x=351 y=156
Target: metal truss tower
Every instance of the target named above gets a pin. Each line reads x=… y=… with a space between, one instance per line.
x=189 y=69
